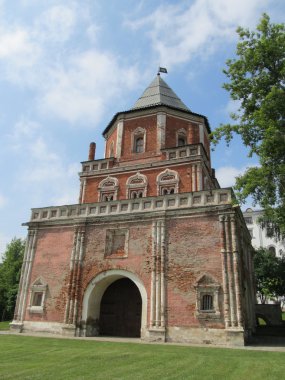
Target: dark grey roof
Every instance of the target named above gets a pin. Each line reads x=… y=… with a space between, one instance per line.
x=159 y=93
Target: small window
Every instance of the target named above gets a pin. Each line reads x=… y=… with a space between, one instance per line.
x=139 y=145
x=37 y=299
x=207 y=302
x=181 y=141
x=38 y=296
x=272 y=250
x=248 y=219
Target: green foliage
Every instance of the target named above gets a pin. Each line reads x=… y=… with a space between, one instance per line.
x=269 y=274
x=257 y=82
x=24 y=357
x=10 y=270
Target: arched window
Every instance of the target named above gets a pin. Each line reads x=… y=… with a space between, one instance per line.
x=138 y=140
x=181 y=137
x=167 y=182
x=272 y=250
x=108 y=189
x=136 y=186
x=139 y=145
x=181 y=141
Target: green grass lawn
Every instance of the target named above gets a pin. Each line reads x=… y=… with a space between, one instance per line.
x=24 y=357
x=4 y=325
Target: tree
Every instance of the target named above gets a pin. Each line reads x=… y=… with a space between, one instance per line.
x=269 y=274
x=257 y=82
x=10 y=271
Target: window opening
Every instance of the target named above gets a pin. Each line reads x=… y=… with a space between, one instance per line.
x=139 y=145
x=37 y=300
x=181 y=141
x=207 y=302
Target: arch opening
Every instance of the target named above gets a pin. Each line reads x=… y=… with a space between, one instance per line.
x=120 y=310
x=102 y=296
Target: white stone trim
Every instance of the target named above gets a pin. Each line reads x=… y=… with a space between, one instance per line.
x=181 y=132
x=161 y=125
x=96 y=288
x=138 y=132
x=161 y=183
x=102 y=188
x=120 y=130
x=207 y=285
x=136 y=186
x=38 y=286
x=201 y=134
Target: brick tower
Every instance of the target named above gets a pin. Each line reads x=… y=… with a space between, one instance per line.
x=153 y=249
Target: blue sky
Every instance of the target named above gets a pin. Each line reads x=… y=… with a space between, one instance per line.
x=66 y=67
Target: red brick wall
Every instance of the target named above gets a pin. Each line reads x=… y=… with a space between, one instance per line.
x=149 y=123
x=193 y=250
x=185 y=184
x=173 y=125
x=112 y=139
x=51 y=262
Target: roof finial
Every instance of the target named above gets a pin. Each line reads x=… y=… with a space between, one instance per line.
x=162 y=70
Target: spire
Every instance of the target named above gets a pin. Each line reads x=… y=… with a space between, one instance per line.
x=159 y=93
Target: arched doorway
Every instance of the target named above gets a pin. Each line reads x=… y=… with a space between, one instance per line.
x=120 y=311
x=94 y=292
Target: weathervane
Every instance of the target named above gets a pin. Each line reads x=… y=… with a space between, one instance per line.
x=161 y=70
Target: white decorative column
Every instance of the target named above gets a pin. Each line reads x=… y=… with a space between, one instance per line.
x=21 y=302
x=201 y=134
x=224 y=271
x=199 y=177
x=194 y=177
x=232 y=300
x=236 y=262
x=161 y=125
x=156 y=330
x=120 y=130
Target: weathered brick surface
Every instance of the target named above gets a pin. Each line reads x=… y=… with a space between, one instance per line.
x=189 y=238
x=111 y=140
x=184 y=171
x=51 y=262
x=193 y=250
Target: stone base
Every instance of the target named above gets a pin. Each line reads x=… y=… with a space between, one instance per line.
x=68 y=330
x=155 y=335
x=16 y=326
x=43 y=327
x=199 y=335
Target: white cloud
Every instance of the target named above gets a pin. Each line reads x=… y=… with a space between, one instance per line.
x=56 y=24
x=182 y=31
x=73 y=83
x=16 y=44
x=226 y=175
x=83 y=90
x=43 y=170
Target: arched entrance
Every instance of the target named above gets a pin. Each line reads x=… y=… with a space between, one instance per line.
x=97 y=291
x=120 y=311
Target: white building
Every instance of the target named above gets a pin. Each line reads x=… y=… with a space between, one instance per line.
x=259 y=235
